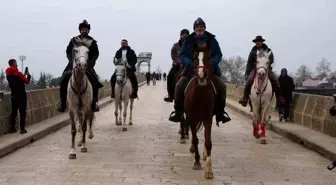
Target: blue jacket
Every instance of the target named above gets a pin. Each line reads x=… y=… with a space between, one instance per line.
x=186 y=52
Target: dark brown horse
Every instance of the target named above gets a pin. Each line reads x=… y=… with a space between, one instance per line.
x=199 y=106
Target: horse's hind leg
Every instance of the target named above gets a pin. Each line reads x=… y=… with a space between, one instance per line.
x=182 y=133
x=186 y=129
x=131 y=112
x=264 y=119
x=84 y=128
x=116 y=103
x=197 y=164
x=208 y=173
x=72 y=154
x=80 y=119
x=125 y=115
x=90 y=118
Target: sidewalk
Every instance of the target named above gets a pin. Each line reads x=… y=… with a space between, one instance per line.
x=316 y=141
x=12 y=142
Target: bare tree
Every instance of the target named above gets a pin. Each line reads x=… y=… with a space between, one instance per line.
x=233 y=69
x=48 y=78
x=2 y=77
x=302 y=74
x=323 y=69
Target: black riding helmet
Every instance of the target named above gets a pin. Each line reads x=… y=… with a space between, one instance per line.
x=184 y=31
x=199 y=21
x=84 y=24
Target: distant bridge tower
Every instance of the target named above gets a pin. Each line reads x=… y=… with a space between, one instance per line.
x=144 y=57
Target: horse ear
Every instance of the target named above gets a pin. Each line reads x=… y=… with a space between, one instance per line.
x=269 y=54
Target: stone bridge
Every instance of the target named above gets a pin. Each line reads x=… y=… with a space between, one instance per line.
x=149 y=152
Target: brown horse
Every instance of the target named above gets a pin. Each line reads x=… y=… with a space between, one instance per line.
x=199 y=106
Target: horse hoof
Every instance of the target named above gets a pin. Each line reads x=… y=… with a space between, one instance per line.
x=124 y=129
x=192 y=149
x=257 y=136
x=197 y=166
x=263 y=141
x=118 y=124
x=208 y=175
x=182 y=141
x=90 y=136
x=72 y=156
x=83 y=150
x=130 y=123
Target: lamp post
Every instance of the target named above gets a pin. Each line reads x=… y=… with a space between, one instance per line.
x=22 y=58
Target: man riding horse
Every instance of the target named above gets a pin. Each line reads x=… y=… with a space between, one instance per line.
x=84 y=29
x=250 y=72
x=200 y=36
x=125 y=52
x=175 y=51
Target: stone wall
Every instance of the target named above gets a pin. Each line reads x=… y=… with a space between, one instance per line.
x=308 y=110
x=42 y=104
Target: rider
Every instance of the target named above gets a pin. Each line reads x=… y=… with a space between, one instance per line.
x=127 y=53
x=250 y=71
x=84 y=29
x=200 y=35
x=175 y=51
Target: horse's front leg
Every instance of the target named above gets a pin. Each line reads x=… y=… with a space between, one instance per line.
x=182 y=132
x=208 y=173
x=264 y=119
x=90 y=118
x=120 y=111
x=131 y=112
x=116 y=104
x=197 y=164
x=84 y=128
x=125 y=114
x=72 y=154
x=80 y=119
x=255 y=123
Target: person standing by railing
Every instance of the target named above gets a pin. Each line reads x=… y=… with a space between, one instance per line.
x=17 y=81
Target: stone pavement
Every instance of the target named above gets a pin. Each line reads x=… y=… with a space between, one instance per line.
x=149 y=154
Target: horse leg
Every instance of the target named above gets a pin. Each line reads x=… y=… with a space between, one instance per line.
x=186 y=128
x=265 y=117
x=120 y=111
x=80 y=120
x=255 y=129
x=131 y=112
x=91 y=116
x=72 y=154
x=181 y=132
x=208 y=174
x=197 y=164
x=125 y=114
x=116 y=104
x=84 y=128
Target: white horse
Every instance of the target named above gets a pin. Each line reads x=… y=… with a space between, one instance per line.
x=123 y=91
x=80 y=95
x=261 y=96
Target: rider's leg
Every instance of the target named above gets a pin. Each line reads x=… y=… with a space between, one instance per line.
x=221 y=115
x=63 y=92
x=171 y=84
x=134 y=82
x=247 y=90
x=276 y=87
x=113 y=82
x=95 y=91
x=177 y=116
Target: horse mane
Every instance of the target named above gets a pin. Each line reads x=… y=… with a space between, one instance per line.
x=82 y=42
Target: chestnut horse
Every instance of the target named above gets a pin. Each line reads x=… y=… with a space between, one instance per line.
x=199 y=105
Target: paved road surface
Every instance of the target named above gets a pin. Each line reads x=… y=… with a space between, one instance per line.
x=149 y=154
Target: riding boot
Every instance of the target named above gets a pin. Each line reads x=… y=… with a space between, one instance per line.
x=276 y=87
x=177 y=115
x=63 y=95
x=134 y=84
x=243 y=101
x=113 y=82
x=221 y=114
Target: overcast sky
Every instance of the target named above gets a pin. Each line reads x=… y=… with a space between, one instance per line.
x=298 y=31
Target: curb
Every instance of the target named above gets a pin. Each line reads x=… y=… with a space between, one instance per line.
x=295 y=137
x=27 y=139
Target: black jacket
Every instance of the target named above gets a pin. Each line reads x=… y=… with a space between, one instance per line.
x=17 y=82
x=287 y=86
x=93 y=54
x=253 y=58
x=132 y=59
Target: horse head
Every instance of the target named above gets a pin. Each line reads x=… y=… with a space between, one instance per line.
x=263 y=63
x=81 y=54
x=121 y=70
x=202 y=63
